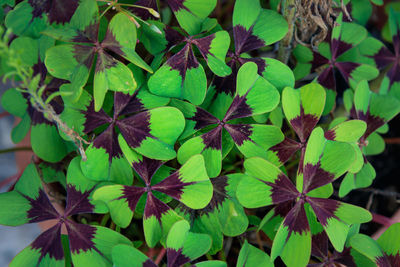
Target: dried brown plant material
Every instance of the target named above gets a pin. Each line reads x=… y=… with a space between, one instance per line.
x=314 y=20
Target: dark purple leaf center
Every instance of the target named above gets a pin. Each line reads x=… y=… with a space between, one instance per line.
x=59 y=11
x=176 y=258
x=134 y=128
x=245 y=40
x=172 y=186
x=80 y=235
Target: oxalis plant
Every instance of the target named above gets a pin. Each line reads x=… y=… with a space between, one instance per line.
x=198 y=132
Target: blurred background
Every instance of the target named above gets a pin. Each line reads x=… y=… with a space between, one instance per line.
x=12 y=239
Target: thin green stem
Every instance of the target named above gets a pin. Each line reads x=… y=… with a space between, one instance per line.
x=105 y=219
x=106 y=10
x=15 y=149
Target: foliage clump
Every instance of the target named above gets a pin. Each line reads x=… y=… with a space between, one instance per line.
x=167 y=131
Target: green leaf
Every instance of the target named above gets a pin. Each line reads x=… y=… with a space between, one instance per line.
x=14 y=209
x=278 y=74
x=21 y=22
x=104 y=240
x=191 y=13
x=252 y=256
x=287 y=245
x=256 y=90
x=348 y=131
x=366 y=246
x=212 y=157
x=361 y=179
x=262 y=138
x=303 y=107
x=161 y=145
x=389 y=241
x=216 y=52
x=198 y=193
x=111 y=75
x=266 y=25
x=190 y=84
x=192 y=245
x=253 y=190
x=27 y=49
x=124 y=256
x=334 y=157
x=13 y=102
x=47 y=143
x=21 y=130
x=121 y=38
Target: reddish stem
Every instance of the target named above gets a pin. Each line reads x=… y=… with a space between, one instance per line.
x=160 y=256
x=385 y=221
x=4 y=114
x=393 y=140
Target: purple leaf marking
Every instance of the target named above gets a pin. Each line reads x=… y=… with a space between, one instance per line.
x=94 y=119
x=84 y=55
x=141 y=12
x=285 y=149
x=324 y=208
x=338 y=47
x=127 y=104
x=204 y=44
x=154 y=207
x=283 y=190
x=80 y=237
x=203 y=118
x=146 y=168
x=296 y=220
x=59 y=11
x=136 y=128
x=173 y=37
x=239 y=132
x=346 y=68
x=41 y=208
x=172 y=186
x=108 y=140
x=238 y=109
x=388 y=260
x=227 y=84
x=213 y=138
x=132 y=195
x=327 y=78
x=176 y=258
x=315 y=176
x=304 y=124
x=177 y=5
x=320 y=250
x=245 y=41
x=149 y=263
x=77 y=201
x=110 y=42
x=183 y=60
x=49 y=243
x=373 y=122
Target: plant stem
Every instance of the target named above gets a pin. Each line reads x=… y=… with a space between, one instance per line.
x=160 y=256
x=14 y=149
x=259 y=242
x=4 y=114
x=393 y=140
x=285 y=45
x=385 y=221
